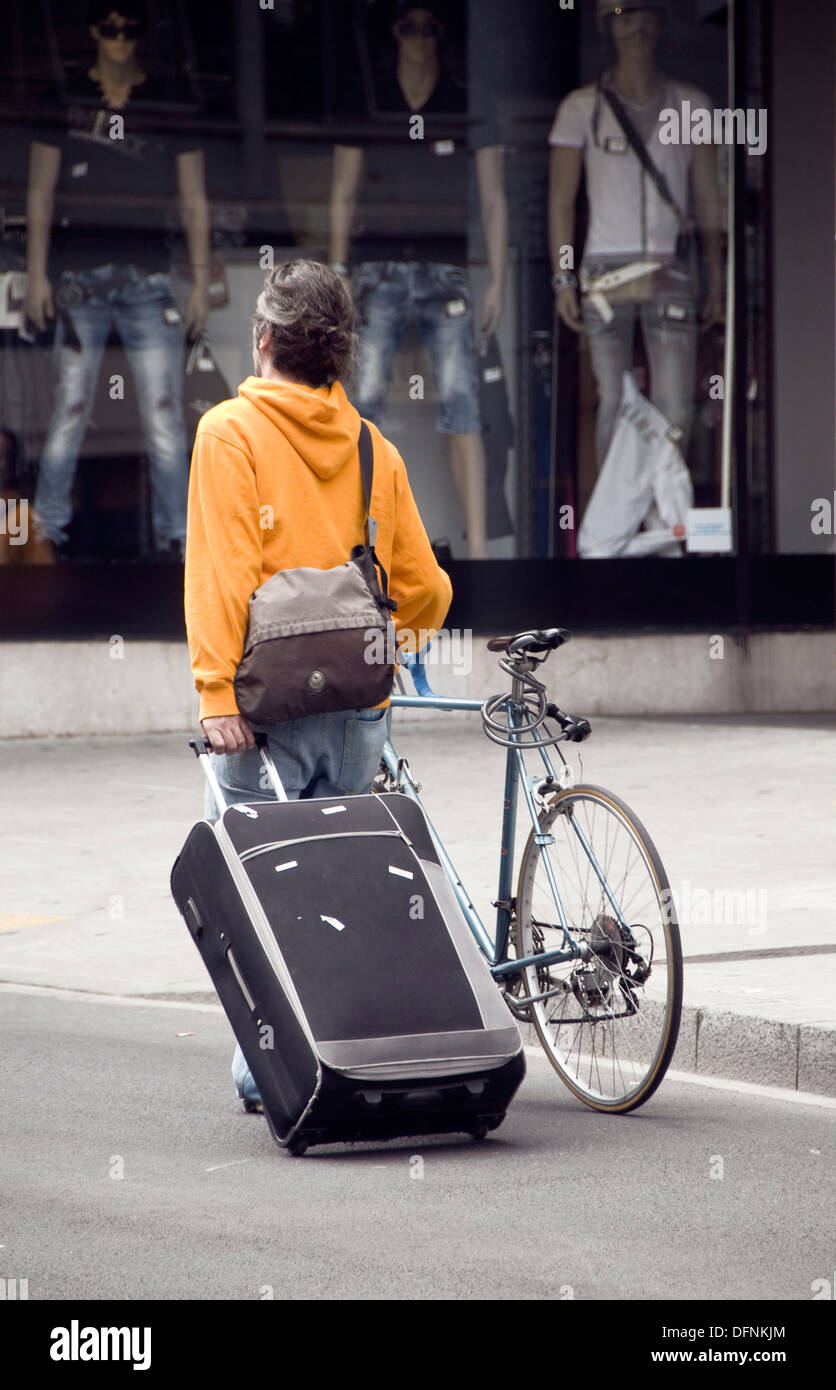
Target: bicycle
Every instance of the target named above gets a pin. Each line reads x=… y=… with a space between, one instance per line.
x=597 y=960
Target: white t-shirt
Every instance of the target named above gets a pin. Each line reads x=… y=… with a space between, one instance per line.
x=628 y=216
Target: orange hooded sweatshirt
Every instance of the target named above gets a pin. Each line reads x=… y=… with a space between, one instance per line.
x=275 y=483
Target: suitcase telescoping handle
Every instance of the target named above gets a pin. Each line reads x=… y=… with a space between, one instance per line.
x=202 y=748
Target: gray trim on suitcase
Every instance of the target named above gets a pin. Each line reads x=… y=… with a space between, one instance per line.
x=495 y=1012
x=419 y=1054
x=270 y=947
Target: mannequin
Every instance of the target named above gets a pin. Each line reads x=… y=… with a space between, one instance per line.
x=409 y=272
x=110 y=268
x=629 y=222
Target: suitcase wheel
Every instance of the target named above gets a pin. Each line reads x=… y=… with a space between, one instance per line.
x=479 y=1132
x=296 y=1147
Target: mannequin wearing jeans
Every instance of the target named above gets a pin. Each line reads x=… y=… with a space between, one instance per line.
x=414 y=267
x=111 y=270
x=629 y=221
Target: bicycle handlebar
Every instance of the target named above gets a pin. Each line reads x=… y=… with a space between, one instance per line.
x=415 y=666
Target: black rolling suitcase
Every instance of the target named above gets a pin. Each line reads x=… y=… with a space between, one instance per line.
x=362 y=1004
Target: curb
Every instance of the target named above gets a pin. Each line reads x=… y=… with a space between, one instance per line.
x=714 y=1043
x=722 y=1044
x=766 y=1051
x=743 y=1047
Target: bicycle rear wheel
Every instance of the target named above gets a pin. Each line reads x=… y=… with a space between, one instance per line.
x=608 y=1024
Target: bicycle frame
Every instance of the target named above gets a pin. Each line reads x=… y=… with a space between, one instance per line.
x=496 y=950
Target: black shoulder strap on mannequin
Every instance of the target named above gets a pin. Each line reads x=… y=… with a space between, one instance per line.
x=638 y=147
x=366 y=448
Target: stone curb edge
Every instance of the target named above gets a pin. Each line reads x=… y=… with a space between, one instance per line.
x=712 y=1042
x=744 y=1047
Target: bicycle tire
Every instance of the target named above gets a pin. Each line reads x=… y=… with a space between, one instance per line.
x=601 y=1002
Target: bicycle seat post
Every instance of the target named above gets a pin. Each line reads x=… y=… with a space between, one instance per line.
x=523 y=664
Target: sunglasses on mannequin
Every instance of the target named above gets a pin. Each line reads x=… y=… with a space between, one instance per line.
x=131 y=29
x=410 y=29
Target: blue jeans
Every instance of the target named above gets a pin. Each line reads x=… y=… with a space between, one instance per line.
x=141 y=308
x=671 y=331
x=335 y=754
x=388 y=294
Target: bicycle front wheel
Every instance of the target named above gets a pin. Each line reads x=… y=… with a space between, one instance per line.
x=608 y=1023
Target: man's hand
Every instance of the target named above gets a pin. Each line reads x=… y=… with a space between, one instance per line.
x=228 y=733
x=492 y=308
x=39 y=305
x=568 y=309
x=196 y=312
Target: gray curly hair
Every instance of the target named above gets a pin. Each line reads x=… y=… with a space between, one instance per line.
x=310 y=315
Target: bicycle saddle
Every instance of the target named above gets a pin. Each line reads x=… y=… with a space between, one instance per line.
x=546 y=639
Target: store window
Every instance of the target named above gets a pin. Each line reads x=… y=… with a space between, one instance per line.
x=642 y=213
x=452 y=158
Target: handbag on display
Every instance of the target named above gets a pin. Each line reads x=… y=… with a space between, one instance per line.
x=630 y=284
x=321 y=640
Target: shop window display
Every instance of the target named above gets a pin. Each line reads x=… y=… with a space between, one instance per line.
x=450 y=159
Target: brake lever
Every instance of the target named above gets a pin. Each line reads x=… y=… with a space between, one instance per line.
x=575 y=728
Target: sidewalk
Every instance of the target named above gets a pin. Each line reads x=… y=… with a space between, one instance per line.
x=742 y=811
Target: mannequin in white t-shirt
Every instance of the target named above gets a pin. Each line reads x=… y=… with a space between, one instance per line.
x=630 y=221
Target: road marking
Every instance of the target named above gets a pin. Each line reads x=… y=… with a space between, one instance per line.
x=13 y=921
x=532 y=1053
x=720 y=1083
x=90 y=997
x=232 y=1164
x=56 y=841
x=752 y=1088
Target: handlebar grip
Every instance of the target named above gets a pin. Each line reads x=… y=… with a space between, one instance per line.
x=199 y=746
x=415 y=666
x=419 y=679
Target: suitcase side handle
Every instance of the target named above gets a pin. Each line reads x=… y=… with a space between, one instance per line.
x=201 y=747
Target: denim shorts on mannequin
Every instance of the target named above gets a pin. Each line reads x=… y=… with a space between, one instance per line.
x=438 y=298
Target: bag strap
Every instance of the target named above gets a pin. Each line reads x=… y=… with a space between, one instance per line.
x=366 y=448
x=639 y=148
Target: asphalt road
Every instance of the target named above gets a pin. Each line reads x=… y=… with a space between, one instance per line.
x=128 y=1170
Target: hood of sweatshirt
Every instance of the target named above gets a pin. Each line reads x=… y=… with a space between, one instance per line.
x=320 y=422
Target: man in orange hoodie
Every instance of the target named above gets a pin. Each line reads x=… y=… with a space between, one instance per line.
x=275 y=484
